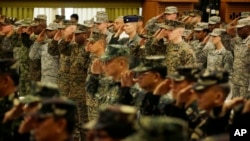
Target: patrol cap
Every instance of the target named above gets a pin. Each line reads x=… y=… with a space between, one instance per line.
x=211 y=77
x=88 y=23
x=217 y=32
x=201 y=26
x=101 y=17
x=149 y=62
x=6 y=65
x=53 y=26
x=130 y=18
x=243 y=22
x=118 y=120
x=95 y=36
x=81 y=29
x=170 y=24
x=195 y=12
x=245 y=14
x=41 y=17
x=171 y=10
x=57 y=107
x=40 y=91
x=186 y=73
x=214 y=20
x=160 y=128
x=26 y=22
x=114 y=50
x=187 y=32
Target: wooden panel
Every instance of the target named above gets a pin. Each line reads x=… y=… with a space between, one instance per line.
x=149 y=10
x=113 y=13
x=232 y=10
x=19 y=13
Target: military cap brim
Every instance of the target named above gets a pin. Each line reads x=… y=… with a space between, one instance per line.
x=202 y=85
x=30 y=99
x=164 y=26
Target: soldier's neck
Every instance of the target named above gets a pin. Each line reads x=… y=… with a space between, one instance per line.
x=177 y=40
x=132 y=35
x=219 y=46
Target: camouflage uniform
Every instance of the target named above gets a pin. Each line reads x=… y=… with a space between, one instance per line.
x=79 y=62
x=64 y=66
x=7 y=45
x=50 y=64
x=241 y=69
x=178 y=55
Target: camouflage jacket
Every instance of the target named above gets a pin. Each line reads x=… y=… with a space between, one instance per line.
x=49 y=64
x=179 y=55
x=64 y=60
x=241 y=64
x=7 y=45
x=79 y=58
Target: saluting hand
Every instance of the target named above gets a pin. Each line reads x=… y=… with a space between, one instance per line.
x=163 y=88
x=58 y=35
x=41 y=36
x=96 y=67
x=127 y=79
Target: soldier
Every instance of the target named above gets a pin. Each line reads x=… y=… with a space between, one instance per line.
x=170 y=13
x=178 y=52
x=119 y=28
x=39 y=50
x=201 y=33
x=133 y=41
x=114 y=123
x=241 y=75
x=212 y=89
x=214 y=22
x=116 y=62
x=96 y=46
x=54 y=121
x=79 y=62
x=9 y=81
x=150 y=73
x=218 y=57
x=102 y=24
x=160 y=129
x=74 y=19
x=35 y=65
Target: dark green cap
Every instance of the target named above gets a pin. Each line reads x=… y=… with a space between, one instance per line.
x=149 y=62
x=160 y=129
x=95 y=36
x=58 y=106
x=6 y=65
x=186 y=72
x=118 y=120
x=113 y=51
x=170 y=24
x=211 y=77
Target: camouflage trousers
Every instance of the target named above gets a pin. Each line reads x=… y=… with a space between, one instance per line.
x=24 y=82
x=77 y=93
x=63 y=83
x=92 y=107
x=35 y=70
x=240 y=91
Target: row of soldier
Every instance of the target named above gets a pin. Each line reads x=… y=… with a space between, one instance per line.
x=93 y=73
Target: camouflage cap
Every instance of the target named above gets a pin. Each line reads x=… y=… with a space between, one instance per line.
x=214 y=20
x=29 y=99
x=44 y=90
x=187 y=32
x=53 y=26
x=201 y=26
x=217 y=31
x=101 y=17
x=243 y=22
x=171 y=10
x=26 y=22
x=195 y=12
x=170 y=25
x=6 y=65
x=113 y=51
x=211 y=77
x=149 y=62
x=95 y=36
x=58 y=107
x=41 y=17
x=130 y=18
x=118 y=120
x=160 y=129
x=88 y=23
x=244 y=14
x=185 y=73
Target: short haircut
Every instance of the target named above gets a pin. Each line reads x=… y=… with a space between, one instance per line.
x=74 y=16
